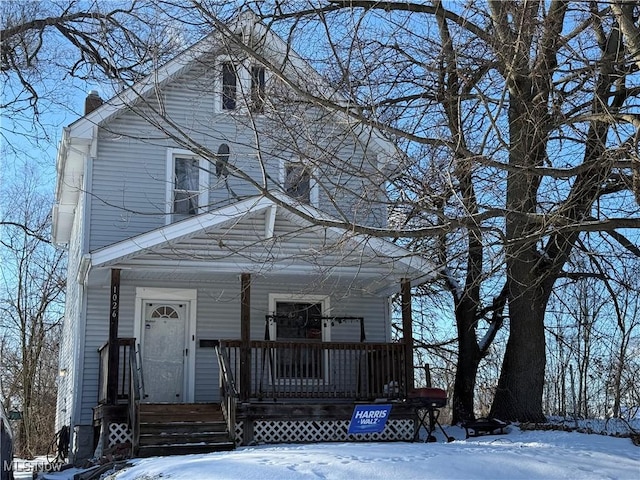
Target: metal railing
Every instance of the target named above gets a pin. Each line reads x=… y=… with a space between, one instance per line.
x=313 y=370
x=228 y=390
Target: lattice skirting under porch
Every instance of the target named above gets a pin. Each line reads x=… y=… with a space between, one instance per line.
x=119 y=433
x=239 y=433
x=286 y=431
x=283 y=431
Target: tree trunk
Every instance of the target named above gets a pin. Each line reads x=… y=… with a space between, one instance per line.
x=521 y=384
x=466 y=368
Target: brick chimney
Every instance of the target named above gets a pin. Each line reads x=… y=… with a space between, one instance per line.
x=92 y=102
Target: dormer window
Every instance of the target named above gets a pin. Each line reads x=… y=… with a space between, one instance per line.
x=229 y=86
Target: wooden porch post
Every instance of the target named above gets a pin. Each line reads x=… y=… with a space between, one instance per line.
x=407 y=330
x=245 y=337
x=114 y=351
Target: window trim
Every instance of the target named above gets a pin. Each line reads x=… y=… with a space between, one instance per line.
x=203 y=182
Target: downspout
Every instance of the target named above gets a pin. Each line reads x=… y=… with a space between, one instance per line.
x=79 y=346
x=82 y=278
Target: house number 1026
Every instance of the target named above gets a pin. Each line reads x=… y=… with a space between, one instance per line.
x=115 y=299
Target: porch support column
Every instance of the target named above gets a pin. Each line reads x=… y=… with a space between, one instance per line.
x=407 y=331
x=114 y=351
x=245 y=337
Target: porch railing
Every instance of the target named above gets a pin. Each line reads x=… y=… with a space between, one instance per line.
x=228 y=390
x=126 y=349
x=311 y=369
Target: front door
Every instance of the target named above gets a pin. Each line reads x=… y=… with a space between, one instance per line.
x=163 y=351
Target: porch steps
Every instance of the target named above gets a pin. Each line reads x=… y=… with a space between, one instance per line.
x=181 y=429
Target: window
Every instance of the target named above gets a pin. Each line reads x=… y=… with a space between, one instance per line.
x=257 y=89
x=298 y=319
x=297 y=322
x=242 y=85
x=229 y=86
x=297 y=182
x=186 y=185
x=222 y=161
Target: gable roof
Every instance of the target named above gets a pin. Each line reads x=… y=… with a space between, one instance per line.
x=79 y=138
x=247 y=21
x=259 y=235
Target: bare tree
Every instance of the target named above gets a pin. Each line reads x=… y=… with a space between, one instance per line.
x=518 y=134
x=518 y=122
x=623 y=362
x=50 y=48
x=31 y=302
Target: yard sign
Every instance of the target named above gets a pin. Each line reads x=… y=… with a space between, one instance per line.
x=369 y=418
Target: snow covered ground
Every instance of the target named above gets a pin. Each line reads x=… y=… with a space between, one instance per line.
x=518 y=454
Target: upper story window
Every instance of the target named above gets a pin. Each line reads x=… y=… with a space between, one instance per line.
x=229 y=86
x=187 y=183
x=222 y=161
x=257 y=89
x=297 y=182
x=241 y=85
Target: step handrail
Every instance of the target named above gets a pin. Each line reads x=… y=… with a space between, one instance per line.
x=135 y=394
x=228 y=391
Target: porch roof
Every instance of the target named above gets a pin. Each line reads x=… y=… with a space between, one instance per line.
x=269 y=236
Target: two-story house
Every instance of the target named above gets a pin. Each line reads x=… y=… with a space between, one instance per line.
x=216 y=293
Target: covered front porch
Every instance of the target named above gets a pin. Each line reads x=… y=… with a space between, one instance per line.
x=292 y=322
x=273 y=390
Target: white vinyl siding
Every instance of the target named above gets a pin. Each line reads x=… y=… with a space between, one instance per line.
x=70 y=343
x=129 y=182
